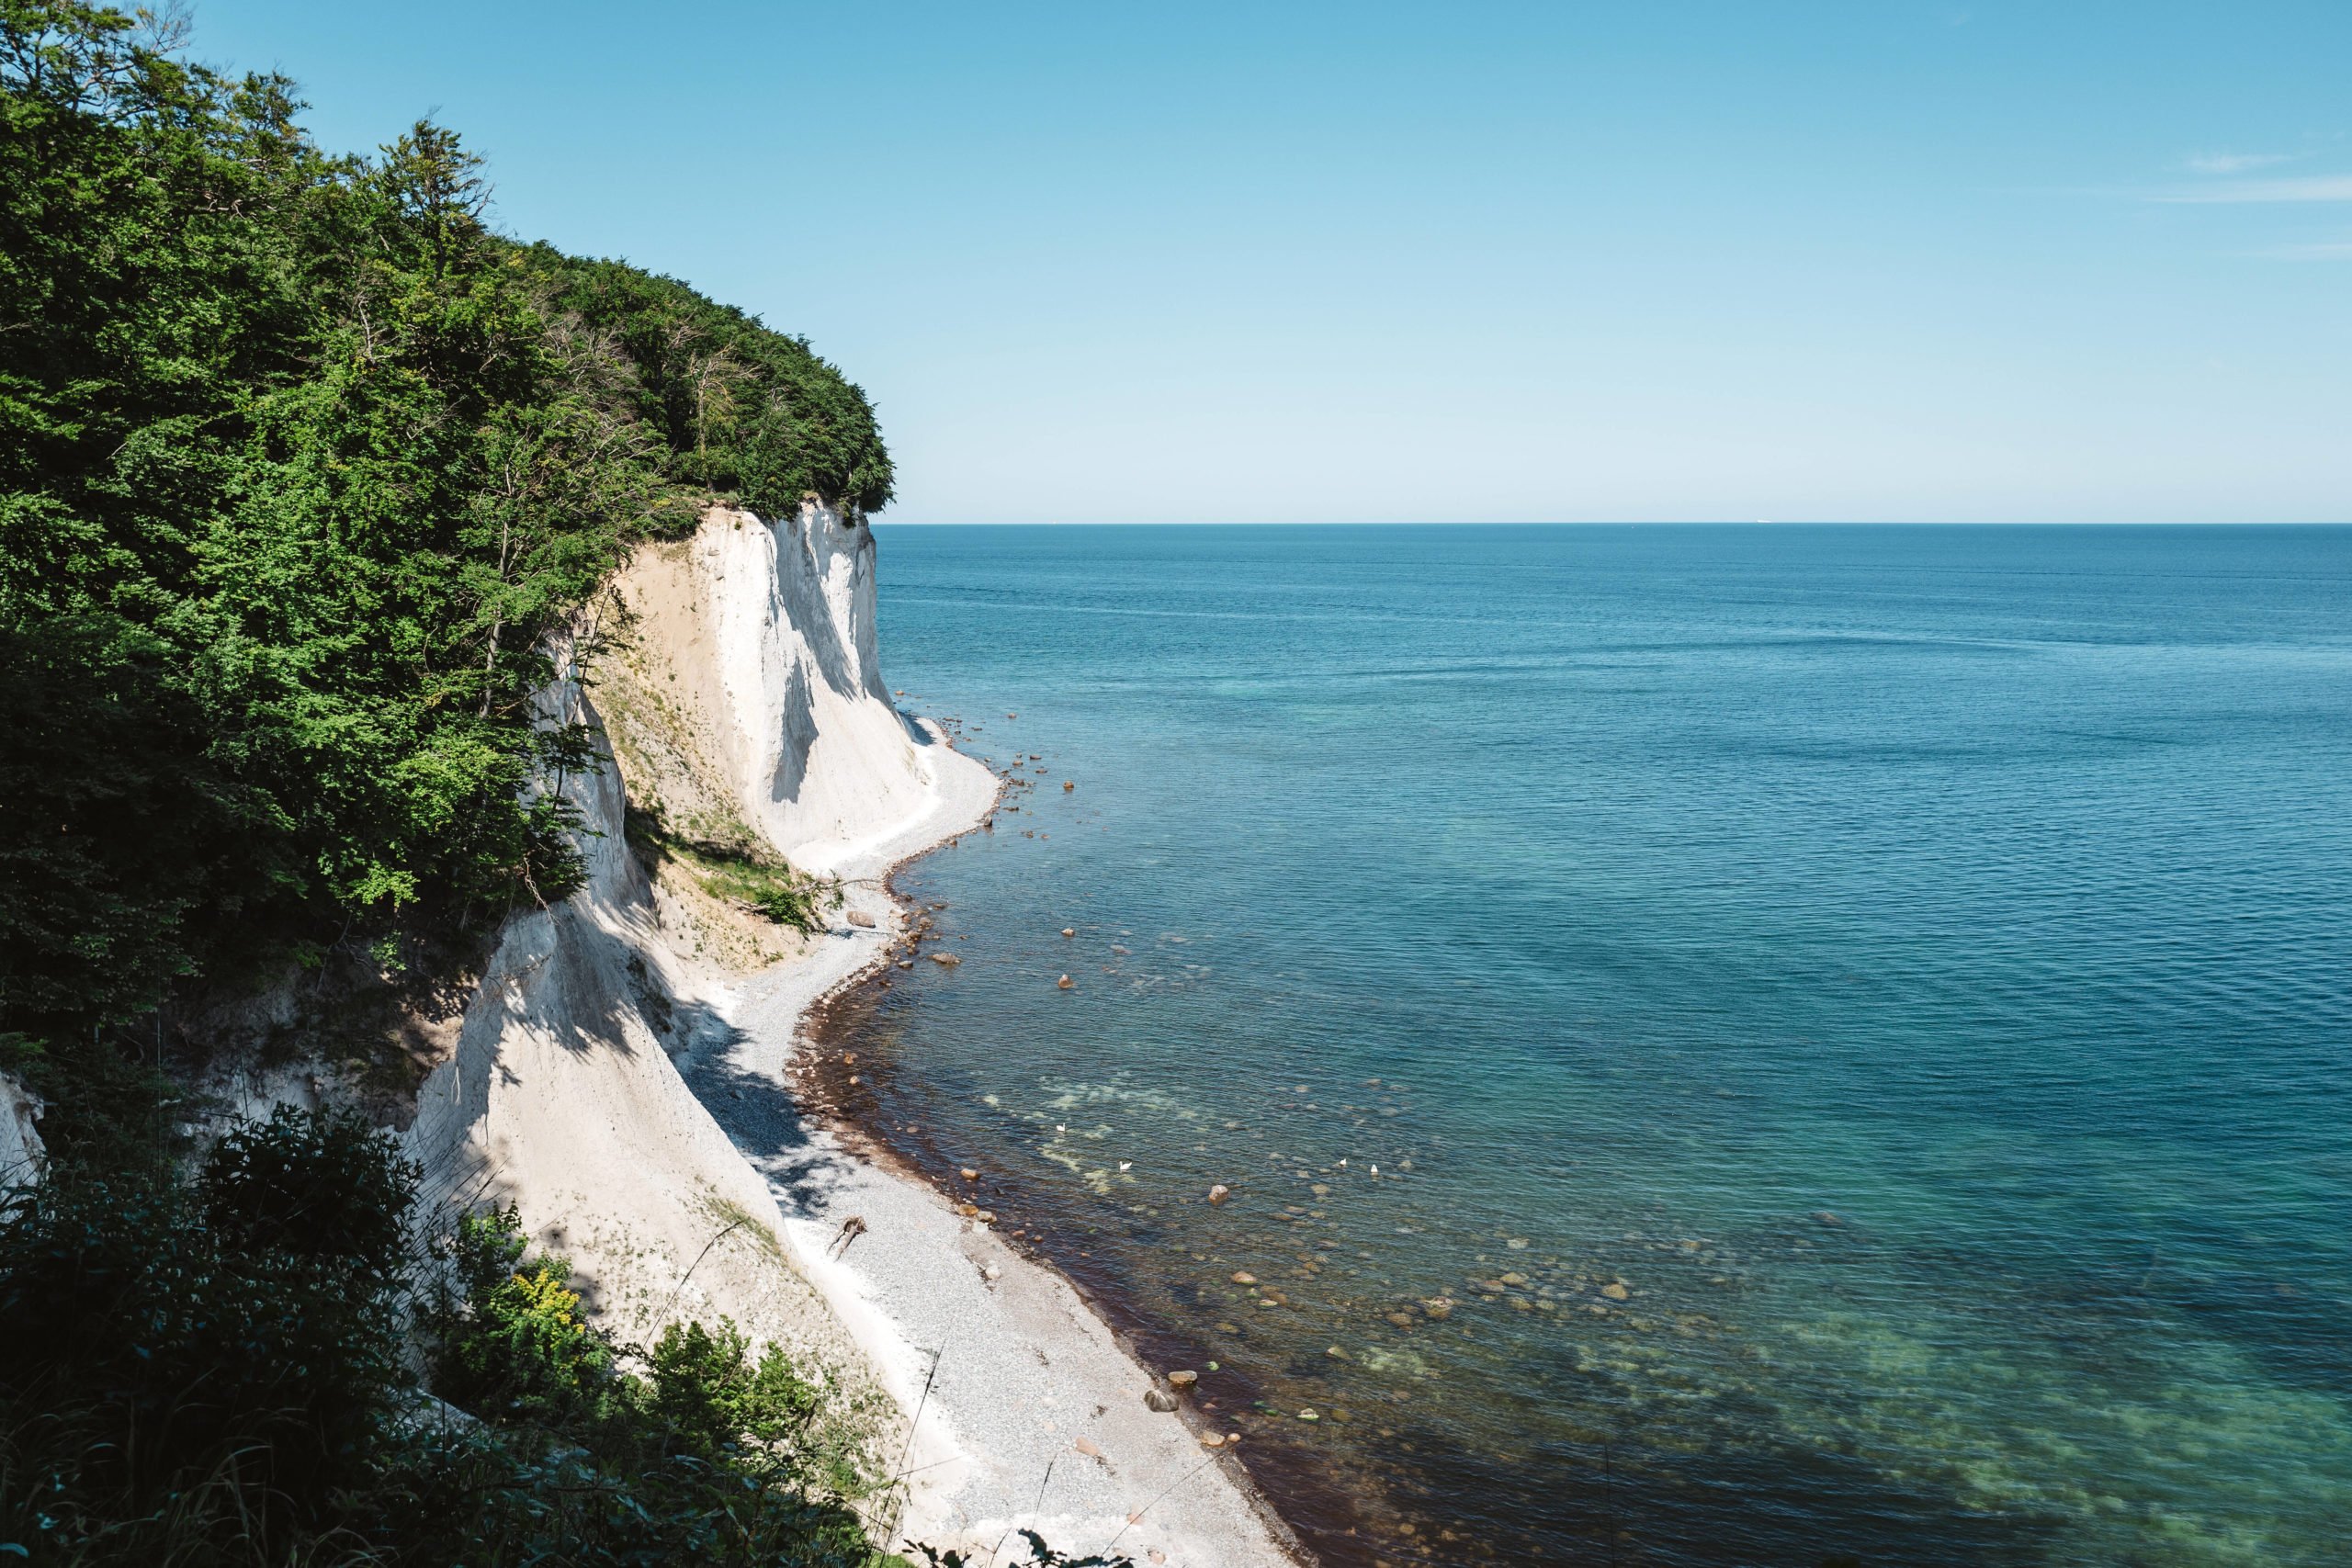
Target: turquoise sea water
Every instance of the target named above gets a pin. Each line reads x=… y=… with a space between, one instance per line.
x=1911 y=968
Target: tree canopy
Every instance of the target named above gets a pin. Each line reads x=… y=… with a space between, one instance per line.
x=302 y=466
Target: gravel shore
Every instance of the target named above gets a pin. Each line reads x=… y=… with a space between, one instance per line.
x=1031 y=1415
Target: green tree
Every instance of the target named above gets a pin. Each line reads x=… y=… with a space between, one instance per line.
x=305 y=477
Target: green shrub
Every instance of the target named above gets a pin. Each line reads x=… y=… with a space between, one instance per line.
x=732 y=864
x=155 y=1362
x=513 y=1344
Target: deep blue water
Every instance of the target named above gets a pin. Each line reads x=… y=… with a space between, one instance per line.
x=1910 y=965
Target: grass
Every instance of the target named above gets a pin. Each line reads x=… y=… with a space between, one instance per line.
x=733 y=866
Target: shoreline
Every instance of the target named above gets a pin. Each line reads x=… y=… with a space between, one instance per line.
x=961 y=1321
x=842 y=1090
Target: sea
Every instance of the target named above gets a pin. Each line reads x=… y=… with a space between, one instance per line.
x=1722 y=1045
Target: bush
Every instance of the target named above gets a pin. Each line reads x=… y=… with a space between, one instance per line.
x=513 y=1345
x=155 y=1362
x=212 y=1370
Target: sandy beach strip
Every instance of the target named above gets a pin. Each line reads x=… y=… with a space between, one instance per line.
x=1029 y=1413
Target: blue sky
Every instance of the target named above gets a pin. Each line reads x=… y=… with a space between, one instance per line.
x=1109 y=261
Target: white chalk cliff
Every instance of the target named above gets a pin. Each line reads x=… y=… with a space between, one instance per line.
x=748 y=670
x=827 y=766
x=741 y=699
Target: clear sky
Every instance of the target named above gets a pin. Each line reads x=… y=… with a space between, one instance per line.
x=2042 y=260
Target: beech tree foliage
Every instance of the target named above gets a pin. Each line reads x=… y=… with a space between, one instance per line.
x=301 y=467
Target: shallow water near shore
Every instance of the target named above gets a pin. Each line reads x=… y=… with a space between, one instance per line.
x=1850 y=1023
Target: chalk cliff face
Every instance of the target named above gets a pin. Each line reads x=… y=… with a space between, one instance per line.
x=733 y=675
x=825 y=766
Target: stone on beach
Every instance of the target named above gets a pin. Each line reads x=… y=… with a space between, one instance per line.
x=1218 y=1193
x=1183 y=1380
x=1069 y=930
x=1066 y=983
x=1243 y=1276
x=1615 y=1291
x=860 y=917
x=946 y=960
x=1159 y=1399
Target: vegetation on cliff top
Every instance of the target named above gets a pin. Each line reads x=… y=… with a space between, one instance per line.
x=302 y=466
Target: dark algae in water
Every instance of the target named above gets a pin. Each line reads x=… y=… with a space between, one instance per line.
x=1722 y=1046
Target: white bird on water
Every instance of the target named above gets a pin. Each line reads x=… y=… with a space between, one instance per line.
x=1126 y=1165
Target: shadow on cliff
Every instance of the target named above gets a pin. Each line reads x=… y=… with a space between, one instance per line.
x=762 y=1118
